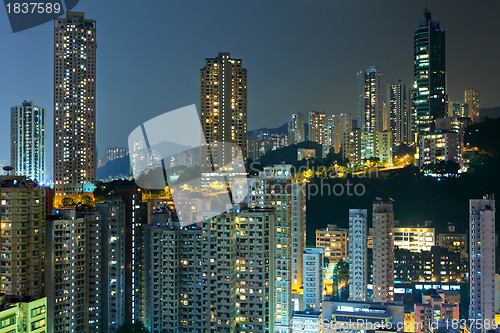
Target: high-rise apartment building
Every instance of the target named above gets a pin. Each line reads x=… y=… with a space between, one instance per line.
x=472 y=100
x=400 y=122
x=317 y=121
x=223 y=104
x=23 y=314
x=176 y=295
x=112 y=212
x=429 y=86
x=27 y=146
x=74 y=105
x=242 y=276
x=482 y=261
x=73 y=272
x=383 y=251
x=22 y=213
x=276 y=188
x=334 y=241
x=371 y=99
x=342 y=124
x=359 y=146
x=296 y=129
x=358 y=254
x=313 y=278
x=328 y=136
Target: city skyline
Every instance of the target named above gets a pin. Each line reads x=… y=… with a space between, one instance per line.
x=320 y=94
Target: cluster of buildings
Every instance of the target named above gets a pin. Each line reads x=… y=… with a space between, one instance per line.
x=129 y=260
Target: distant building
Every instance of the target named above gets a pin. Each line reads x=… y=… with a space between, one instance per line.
x=328 y=136
x=23 y=315
x=458 y=109
x=371 y=99
x=223 y=103
x=313 y=278
x=358 y=254
x=342 y=123
x=482 y=260
x=334 y=241
x=360 y=147
x=317 y=121
x=436 y=147
x=429 y=93
x=27 y=146
x=472 y=100
x=296 y=129
x=400 y=120
x=305 y=153
x=112 y=154
x=383 y=251
x=414 y=239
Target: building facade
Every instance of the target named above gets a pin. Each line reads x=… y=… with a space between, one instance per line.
x=27 y=148
x=22 y=214
x=296 y=129
x=75 y=157
x=335 y=243
x=317 y=121
x=482 y=260
x=472 y=101
x=371 y=99
x=383 y=251
x=400 y=120
x=429 y=74
x=223 y=103
x=358 y=255
x=313 y=278
x=414 y=239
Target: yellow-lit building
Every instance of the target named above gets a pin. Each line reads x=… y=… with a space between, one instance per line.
x=334 y=241
x=18 y=315
x=414 y=239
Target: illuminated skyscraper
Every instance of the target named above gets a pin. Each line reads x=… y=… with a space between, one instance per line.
x=383 y=251
x=296 y=129
x=399 y=114
x=371 y=99
x=472 y=100
x=74 y=105
x=27 y=146
x=316 y=123
x=429 y=86
x=223 y=102
x=482 y=261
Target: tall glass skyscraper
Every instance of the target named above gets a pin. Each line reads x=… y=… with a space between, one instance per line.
x=371 y=99
x=429 y=87
x=27 y=148
x=74 y=105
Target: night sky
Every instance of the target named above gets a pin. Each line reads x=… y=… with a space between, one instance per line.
x=300 y=56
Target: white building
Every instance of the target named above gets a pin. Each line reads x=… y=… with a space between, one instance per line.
x=482 y=260
x=414 y=239
x=27 y=146
x=308 y=321
x=313 y=278
x=383 y=251
x=358 y=269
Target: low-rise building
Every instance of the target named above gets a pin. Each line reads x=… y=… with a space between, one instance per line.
x=23 y=314
x=414 y=239
x=308 y=321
